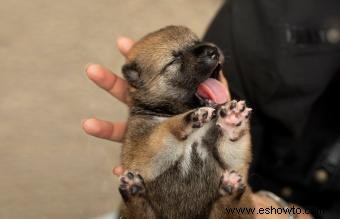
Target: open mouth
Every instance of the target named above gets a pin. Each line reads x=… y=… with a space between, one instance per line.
x=214 y=90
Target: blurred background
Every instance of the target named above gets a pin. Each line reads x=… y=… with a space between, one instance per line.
x=49 y=167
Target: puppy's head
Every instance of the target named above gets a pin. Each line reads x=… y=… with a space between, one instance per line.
x=170 y=71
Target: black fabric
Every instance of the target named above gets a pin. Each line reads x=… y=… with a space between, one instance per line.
x=281 y=61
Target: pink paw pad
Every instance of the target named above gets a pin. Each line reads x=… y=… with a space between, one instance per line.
x=233 y=117
x=231 y=183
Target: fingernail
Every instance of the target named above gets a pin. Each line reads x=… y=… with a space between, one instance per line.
x=87 y=66
x=82 y=122
x=118 y=170
x=121 y=38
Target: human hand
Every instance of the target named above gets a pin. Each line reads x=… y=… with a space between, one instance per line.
x=117 y=87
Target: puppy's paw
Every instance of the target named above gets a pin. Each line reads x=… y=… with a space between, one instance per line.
x=231 y=184
x=233 y=119
x=131 y=184
x=201 y=115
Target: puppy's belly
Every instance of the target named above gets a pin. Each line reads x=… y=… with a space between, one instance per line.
x=183 y=153
x=175 y=194
x=189 y=186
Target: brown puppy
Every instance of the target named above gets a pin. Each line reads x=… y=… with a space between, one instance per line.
x=187 y=152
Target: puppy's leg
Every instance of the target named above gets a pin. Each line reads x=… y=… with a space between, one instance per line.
x=132 y=190
x=183 y=125
x=234 y=149
x=234 y=143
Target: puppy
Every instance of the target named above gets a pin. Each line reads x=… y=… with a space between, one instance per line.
x=187 y=148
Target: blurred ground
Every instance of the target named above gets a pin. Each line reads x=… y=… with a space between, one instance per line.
x=49 y=167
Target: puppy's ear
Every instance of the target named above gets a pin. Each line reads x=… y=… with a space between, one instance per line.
x=132 y=75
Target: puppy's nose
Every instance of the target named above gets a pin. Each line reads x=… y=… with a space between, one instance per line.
x=211 y=52
x=206 y=51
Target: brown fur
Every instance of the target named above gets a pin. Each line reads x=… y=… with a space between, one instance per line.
x=160 y=130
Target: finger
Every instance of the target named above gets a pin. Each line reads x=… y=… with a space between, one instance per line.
x=104 y=129
x=124 y=44
x=110 y=82
x=118 y=170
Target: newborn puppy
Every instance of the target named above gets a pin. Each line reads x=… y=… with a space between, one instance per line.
x=187 y=147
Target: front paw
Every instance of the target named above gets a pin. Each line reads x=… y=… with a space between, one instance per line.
x=233 y=119
x=231 y=183
x=201 y=115
x=131 y=184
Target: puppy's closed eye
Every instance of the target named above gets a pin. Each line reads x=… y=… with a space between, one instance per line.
x=176 y=60
x=177 y=55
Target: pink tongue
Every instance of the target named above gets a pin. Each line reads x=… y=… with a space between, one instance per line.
x=213 y=90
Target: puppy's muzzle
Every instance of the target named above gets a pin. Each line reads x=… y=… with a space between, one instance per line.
x=211 y=53
x=207 y=52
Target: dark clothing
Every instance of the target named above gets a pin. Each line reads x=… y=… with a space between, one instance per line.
x=283 y=57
